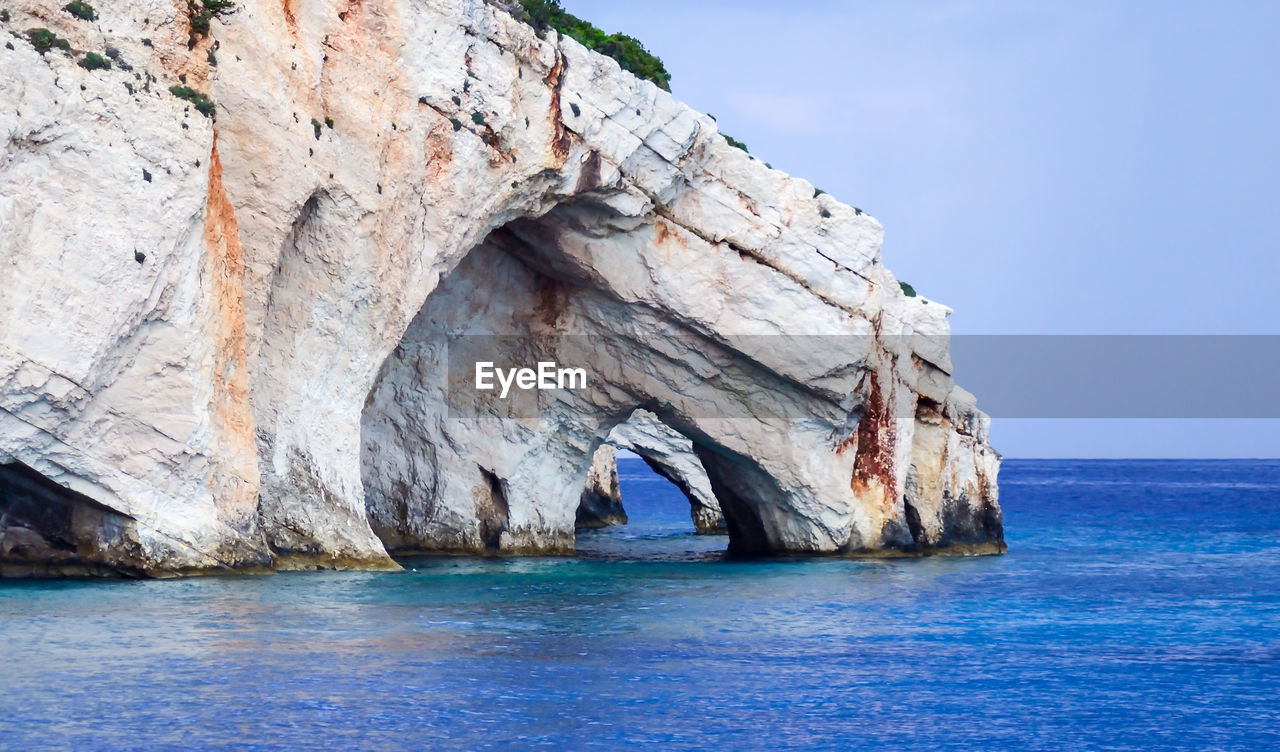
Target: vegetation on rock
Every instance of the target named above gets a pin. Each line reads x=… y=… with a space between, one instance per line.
x=735 y=142
x=628 y=51
x=94 y=61
x=907 y=289
x=201 y=12
x=202 y=103
x=44 y=40
x=81 y=10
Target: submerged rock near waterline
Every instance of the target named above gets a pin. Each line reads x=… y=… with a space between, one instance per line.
x=225 y=343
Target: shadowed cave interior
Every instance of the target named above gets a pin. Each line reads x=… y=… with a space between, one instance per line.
x=46 y=527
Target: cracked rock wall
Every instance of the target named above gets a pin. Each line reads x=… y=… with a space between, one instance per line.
x=206 y=326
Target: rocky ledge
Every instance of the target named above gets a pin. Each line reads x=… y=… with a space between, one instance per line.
x=243 y=253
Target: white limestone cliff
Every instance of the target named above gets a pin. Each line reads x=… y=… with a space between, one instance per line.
x=226 y=344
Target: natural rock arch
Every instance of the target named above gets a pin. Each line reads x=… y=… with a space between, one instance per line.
x=669 y=454
x=433 y=445
x=576 y=286
x=204 y=368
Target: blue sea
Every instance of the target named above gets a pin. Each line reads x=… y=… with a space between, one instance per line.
x=1138 y=608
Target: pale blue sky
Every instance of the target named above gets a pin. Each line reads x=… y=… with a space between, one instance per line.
x=1082 y=167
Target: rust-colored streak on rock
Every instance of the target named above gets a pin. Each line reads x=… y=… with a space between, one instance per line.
x=553 y=299
x=875 y=440
x=439 y=152
x=290 y=14
x=561 y=139
x=224 y=280
x=665 y=235
x=662 y=233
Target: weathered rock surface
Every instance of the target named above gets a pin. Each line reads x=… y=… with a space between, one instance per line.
x=601 y=501
x=229 y=342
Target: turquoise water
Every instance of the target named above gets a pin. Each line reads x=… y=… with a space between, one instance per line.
x=1138 y=608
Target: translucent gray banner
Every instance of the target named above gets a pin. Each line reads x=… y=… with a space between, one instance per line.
x=1013 y=376
x=1121 y=376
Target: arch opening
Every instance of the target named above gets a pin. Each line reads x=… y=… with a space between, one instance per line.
x=432 y=444
x=668 y=455
x=659 y=525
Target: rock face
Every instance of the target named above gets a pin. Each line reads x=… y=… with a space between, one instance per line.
x=245 y=343
x=671 y=455
x=601 y=501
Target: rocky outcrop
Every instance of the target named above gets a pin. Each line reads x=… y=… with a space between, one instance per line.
x=671 y=455
x=601 y=502
x=243 y=343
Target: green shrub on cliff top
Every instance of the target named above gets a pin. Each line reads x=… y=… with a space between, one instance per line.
x=735 y=142
x=628 y=51
x=907 y=289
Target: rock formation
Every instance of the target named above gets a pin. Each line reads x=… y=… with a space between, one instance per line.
x=667 y=453
x=601 y=502
x=671 y=455
x=244 y=342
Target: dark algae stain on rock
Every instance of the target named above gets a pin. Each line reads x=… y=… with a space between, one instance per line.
x=492 y=510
